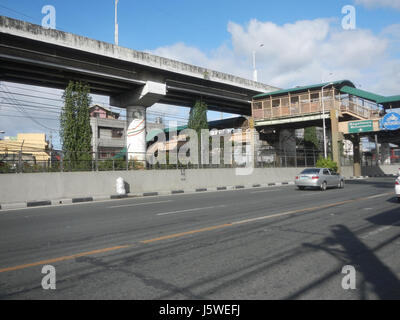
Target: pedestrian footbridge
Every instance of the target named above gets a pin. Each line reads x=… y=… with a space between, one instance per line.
x=350 y=112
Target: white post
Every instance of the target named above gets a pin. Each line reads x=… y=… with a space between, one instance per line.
x=255 y=73
x=116 y=22
x=255 y=77
x=323 y=119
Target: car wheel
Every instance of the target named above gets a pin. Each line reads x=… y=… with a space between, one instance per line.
x=323 y=186
x=301 y=188
x=341 y=184
x=398 y=199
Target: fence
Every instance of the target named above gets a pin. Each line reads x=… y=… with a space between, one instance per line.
x=80 y=161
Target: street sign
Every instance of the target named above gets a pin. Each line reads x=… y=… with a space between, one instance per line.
x=361 y=126
x=391 y=121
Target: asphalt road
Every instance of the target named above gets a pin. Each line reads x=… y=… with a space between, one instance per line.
x=260 y=243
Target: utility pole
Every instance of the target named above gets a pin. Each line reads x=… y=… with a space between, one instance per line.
x=323 y=118
x=255 y=73
x=255 y=76
x=51 y=149
x=377 y=152
x=116 y=22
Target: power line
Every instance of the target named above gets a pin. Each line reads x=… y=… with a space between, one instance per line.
x=17 y=12
x=94 y=101
x=59 y=101
x=21 y=116
x=164 y=114
x=39 y=106
x=54 y=94
x=23 y=111
x=29 y=96
x=13 y=106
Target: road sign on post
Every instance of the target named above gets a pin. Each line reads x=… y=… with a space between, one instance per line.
x=361 y=126
x=390 y=121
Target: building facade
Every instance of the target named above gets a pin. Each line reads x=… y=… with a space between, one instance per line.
x=109 y=131
x=29 y=147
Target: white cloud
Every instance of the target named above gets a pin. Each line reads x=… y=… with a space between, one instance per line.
x=379 y=3
x=299 y=53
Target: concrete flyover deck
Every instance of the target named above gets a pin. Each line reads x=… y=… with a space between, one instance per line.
x=35 y=55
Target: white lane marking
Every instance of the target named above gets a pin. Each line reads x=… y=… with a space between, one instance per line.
x=189 y=210
x=138 y=204
x=375 y=232
x=325 y=206
x=376 y=196
x=266 y=191
x=312 y=193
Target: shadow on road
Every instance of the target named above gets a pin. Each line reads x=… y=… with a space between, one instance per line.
x=387 y=218
x=382 y=281
x=375 y=183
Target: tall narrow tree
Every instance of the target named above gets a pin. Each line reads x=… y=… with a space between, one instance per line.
x=75 y=130
x=198 y=120
x=198 y=117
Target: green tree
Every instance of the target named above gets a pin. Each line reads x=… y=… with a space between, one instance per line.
x=75 y=130
x=198 y=117
x=198 y=120
x=327 y=163
x=310 y=138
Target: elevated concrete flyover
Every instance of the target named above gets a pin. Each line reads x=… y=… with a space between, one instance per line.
x=33 y=55
x=134 y=80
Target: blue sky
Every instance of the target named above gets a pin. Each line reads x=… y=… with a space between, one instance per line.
x=150 y=24
x=304 y=40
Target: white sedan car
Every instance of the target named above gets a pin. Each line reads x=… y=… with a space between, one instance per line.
x=397 y=188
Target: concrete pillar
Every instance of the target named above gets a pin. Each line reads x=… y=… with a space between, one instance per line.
x=136 y=133
x=336 y=138
x=136 y=102
x=287 y=144
x=385 y=153
x=355 y=139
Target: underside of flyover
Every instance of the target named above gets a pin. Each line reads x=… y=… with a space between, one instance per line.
x=43 y=64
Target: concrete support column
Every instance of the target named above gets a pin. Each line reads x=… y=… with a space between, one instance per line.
x=385 y=153
x=287 y=145
x=136 y=133
x=336 y=138
x=136 y=102
x=355 y=139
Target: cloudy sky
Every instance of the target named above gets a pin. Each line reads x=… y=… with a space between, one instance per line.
x=304 y=42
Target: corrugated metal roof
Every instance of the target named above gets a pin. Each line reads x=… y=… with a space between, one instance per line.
x=362 y=94
x=389 y=99
x=305 y=88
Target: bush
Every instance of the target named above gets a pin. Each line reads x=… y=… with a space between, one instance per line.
x=327 y=163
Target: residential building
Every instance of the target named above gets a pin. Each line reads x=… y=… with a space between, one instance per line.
x=31 y=147
x=109 y=131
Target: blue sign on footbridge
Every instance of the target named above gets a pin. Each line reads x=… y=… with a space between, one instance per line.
x=391 y=121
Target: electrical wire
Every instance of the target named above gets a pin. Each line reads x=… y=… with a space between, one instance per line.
x=23 y=111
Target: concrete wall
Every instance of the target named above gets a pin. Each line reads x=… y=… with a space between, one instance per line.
x=372 y=171
x=53 y=186
x=347 y=171
x=380 y=170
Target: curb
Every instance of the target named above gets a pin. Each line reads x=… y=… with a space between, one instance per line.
x=32 y=204
x=373 y=176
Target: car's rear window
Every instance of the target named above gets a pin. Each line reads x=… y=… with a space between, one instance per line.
x=310 y=171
